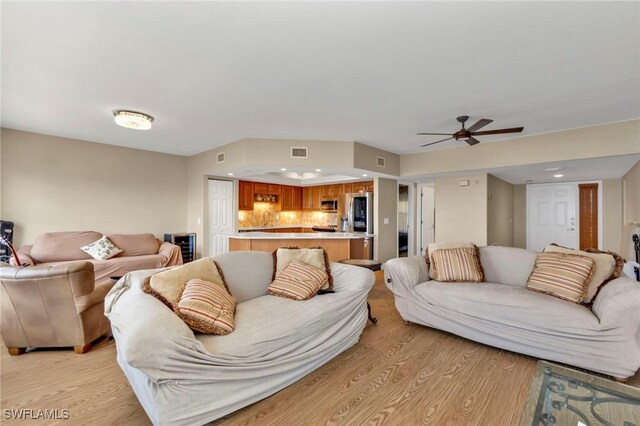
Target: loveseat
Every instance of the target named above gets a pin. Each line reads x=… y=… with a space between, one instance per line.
x=502 y=312
x=185 y=378
x=140 y=251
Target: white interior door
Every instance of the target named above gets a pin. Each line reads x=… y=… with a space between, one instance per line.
x=427 y=213
x=220 y=193
x=552 y=216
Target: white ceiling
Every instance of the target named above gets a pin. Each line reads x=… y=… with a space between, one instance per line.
x=212 y=73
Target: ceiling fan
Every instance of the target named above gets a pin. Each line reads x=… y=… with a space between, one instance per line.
x=467 y=135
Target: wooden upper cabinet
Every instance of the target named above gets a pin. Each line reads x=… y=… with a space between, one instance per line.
x=331 y=190
x=368 y=185
x=285 y=198
x=296 y=198
x=358 y=187
x=311 y=196
x=266 y=188
x=347 y=188
x=245 y=195
x=306 y=198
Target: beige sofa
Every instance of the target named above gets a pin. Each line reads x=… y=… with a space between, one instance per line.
x=502 y=312
x=52 y=306
x=140 y=251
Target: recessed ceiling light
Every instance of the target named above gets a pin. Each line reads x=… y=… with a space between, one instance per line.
x=283 y=169
x=230 y=174
x=552 y=169
x=318 y=170
x=133 y=120
x=558 y=176
x=364 y=175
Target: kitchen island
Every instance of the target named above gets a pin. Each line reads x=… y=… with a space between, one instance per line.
x=338 y=245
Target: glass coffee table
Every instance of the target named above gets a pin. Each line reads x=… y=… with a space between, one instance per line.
x=562 y=396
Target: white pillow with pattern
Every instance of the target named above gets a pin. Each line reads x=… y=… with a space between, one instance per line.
x=102 y=249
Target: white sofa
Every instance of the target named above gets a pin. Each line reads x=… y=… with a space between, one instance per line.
x=501 y=312
x=182 y=378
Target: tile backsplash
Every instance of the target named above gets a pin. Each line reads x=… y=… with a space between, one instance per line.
x=264 y=214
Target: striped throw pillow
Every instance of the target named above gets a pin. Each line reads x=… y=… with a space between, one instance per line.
x=566 y=276
x=206 y=307
x=460 y=264
x=298 y=281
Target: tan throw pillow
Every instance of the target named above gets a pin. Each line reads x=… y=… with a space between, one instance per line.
x=298 y=281
x=167 y=285
x=457 y=265
x=207 y=307
x=436 y=246
x=102 y=249
x=562 y=275
x=315 y=256
x=603 y=268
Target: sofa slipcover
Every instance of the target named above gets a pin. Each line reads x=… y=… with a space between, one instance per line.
x=186 y=378
x=502 y=312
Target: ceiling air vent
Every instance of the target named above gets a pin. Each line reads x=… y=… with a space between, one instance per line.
x=221 y=157
x=381 y=161
x=299 y=152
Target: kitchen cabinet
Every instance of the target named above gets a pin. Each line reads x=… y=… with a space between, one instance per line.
x=290 y=198
x=331 y=191
x=347 y=188
x=245 y=195
x=359 y=187
x=368 y=186
x=266 y=188
x=311 y=196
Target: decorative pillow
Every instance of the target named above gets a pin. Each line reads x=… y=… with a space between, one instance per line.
x=566 y=276
x=435 y=246
x=166 y=286
x=298 y=281
x=206 y=307
x=314 y=256
x=604 y=266
x=102 y=249
x=456 y=265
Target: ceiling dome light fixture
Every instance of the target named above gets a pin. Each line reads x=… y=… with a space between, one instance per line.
x=133 y=120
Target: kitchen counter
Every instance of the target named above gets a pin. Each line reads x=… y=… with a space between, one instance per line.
x=338 y=245
x=298 y=235
x=260 y=228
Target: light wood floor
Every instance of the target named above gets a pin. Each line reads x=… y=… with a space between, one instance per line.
x=397 y=374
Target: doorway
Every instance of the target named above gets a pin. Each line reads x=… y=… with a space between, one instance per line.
x=405 y=218
x=427 y=216
x=220 y=215
x=564 y=213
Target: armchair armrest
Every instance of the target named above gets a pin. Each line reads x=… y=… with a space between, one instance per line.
x=618 y=304
x=404 y=273
x=24 y=253
x=172 y=253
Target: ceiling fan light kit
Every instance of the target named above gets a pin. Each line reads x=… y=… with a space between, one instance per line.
x=468 y=135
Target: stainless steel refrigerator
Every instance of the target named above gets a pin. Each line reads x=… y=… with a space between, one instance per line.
x=355 y=214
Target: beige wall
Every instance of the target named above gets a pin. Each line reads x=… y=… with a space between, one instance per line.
x=520 y=216
x=631 y=184
x=611 y=214
x=58 y=184
x=499 y=212
x=365 y=157
x=461 y=211
x=589 y=142
x=385 y=202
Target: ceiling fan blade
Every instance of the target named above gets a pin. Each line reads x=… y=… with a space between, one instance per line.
x=479 y=124
x=437 y=134
x=499 y=131
x=431 y=143
x=473 y=141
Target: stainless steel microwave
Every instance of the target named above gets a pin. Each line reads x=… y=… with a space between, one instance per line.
x=329 y=205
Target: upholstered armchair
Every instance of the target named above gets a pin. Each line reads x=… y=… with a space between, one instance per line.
x=52 y=306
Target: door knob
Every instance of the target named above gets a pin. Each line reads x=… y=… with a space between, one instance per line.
x=571 y=229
